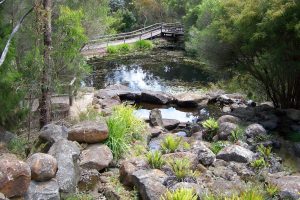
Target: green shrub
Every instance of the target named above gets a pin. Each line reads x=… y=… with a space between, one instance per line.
x=18 y=146
x=212 y=127
x=181 y=168
x=216 y=147
x=264 y=151
x=249 y=194
x=123 y=128
x=143 y=44
x=155 y=159
x=258 y=163
x=272 y=190
x=124 y=48
x=170 y=144
x=180 y=194
x=236 y=134
x=112 y=49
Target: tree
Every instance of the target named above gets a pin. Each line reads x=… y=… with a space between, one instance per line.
x=45 y=104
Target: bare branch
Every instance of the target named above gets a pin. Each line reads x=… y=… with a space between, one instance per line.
x=16 y=28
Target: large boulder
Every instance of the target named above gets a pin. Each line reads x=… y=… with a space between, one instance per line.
x=89 y=132
x=289 y=186
x=43 y=166
x=53 y=133
x=128 y=167
x=149 y=183
x=156 y=97
x=228 y=118
x=155 y=118
x=190 y=99
x=67 y=156
x=43 y=190
x=225 y=130
x=170 y=124
x=236 y=153
x=255 y=130
x=15 y=176
x=96 y=156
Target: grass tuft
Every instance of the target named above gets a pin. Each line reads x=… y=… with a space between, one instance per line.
x=155 y=159
x=124 y=128
x=180 y=194
x=211 y=125
x=170 y=144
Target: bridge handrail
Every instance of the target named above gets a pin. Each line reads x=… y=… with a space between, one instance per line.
x=135 y=33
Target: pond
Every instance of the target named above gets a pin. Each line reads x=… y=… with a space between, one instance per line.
x=162 y=70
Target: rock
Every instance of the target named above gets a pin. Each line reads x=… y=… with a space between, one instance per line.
x=191 y=157
x=128 y=167
x=67 y=156
x=228 y=118
x=155 y=118
x=289 y=186
x=109 y=102
x=226 y=109
x=205 y=155
x=155 y=131
x=236 y=153
x=6 y=136
x=200 y=191
x=296 y=148
x=197 y=135
x=15 y=176
x=88 y=179
x=293 y=114
x=156 y=97
x=2 y=197
x=89 y=132
x=53 y=133
x=254 y=130
x=190 y=99
x=96 y=156
x=43 y=166
x=170 y=124
x=227 y=188
x=43 y=190
x=225 y=130
x=149 y=183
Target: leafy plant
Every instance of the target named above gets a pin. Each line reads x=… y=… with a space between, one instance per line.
x=112 y=49
x=181 y=168
x=212 y=127
x=143 y=44
x=124 y=48
x=265 y=151
x=258 y=163
x=170 y=144
x=251 y=194
x=186 y=146
x=236 y=134
x=155 y=159
x=123 y=128
x=180 y=194
x=272 y=190
x=216 y=147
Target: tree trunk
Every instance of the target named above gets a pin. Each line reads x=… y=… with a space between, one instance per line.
x=45 y=105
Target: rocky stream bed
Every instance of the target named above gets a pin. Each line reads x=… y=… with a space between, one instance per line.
x=72 y=159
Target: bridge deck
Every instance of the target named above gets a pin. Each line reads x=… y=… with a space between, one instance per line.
x=98 y=46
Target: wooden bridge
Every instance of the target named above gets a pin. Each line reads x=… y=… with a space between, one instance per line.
x=98 y=46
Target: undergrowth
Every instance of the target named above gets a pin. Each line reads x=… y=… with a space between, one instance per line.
x=180 y=194
x=140 y=45
x=124 y=128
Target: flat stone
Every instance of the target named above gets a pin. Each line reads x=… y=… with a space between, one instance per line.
x=96 y=156
x=156 y=97
x=190 y=99
x=170 y=124
x=89 y=132
x=236 y=153
x=228 y=118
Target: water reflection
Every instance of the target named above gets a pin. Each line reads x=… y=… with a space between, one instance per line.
x=168 y=113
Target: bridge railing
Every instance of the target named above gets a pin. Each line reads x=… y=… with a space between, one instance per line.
x=167 y=27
